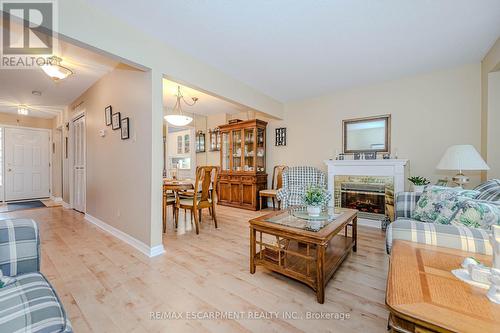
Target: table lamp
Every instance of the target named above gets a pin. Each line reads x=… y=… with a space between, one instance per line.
x=462 y=157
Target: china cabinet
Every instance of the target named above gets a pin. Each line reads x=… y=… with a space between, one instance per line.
x=243 y=163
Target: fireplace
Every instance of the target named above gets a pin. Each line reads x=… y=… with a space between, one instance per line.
x=372 y=196
x=363 y=182
x=367 y=198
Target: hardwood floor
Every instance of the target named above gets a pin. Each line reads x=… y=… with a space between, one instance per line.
x=108 y=286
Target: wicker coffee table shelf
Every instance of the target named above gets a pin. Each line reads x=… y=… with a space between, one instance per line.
x=285 y=246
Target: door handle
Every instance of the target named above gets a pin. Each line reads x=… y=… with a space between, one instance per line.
x=9 y=169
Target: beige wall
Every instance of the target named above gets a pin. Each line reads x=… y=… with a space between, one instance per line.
x=429 y=113
x=56 y=152
x=493 y=124
x=118 y=171
x=490 y=63
x=205 y=123
x=25 y=121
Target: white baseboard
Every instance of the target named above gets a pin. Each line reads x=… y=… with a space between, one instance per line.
x=370 y=223
x=147 y=250
x=66 y=205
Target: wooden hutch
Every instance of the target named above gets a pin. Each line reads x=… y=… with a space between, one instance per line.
x=243 y=163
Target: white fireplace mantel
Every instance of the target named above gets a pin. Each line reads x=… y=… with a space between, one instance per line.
x=395 y=168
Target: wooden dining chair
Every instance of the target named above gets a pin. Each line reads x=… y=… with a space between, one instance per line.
x=204 y=197
x=278 y=181
x=168 y=200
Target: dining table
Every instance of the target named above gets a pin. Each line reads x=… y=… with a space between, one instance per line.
x=179 y=185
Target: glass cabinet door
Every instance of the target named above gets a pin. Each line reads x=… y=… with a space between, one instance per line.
x=261 y=150
x=225 y=151
x=249 y=149
x=236 y=150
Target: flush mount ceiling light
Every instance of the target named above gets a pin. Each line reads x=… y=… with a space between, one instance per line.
x=178 y=117
x=22 y=110
x=54 y=69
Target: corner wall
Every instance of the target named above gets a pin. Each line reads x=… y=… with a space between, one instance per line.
x=119 y=171
x=490 y=63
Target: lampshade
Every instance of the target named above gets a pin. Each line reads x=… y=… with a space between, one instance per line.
x=462 y=157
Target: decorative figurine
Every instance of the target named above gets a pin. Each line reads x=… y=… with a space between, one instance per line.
x=494 y=291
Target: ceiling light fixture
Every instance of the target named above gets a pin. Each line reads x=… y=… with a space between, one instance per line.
x=22 y=110
x=53 y=68
x=178 y=117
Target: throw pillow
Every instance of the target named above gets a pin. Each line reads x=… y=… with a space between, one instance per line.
x=438 y=204
x=477 y=214
x=490 y=190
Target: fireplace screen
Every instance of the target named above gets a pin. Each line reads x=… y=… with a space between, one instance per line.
x=367 y=198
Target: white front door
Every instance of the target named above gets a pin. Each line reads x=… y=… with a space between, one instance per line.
x=26 y=164
x=79 y=181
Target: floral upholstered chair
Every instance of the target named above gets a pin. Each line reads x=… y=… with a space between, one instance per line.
x=295 y=181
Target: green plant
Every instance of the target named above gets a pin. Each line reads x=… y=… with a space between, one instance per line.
x=316 y=196
x=419 y=181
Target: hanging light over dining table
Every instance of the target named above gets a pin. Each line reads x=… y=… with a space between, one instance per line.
x=178 y=117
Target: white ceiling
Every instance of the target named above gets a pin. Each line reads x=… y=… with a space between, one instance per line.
x=206 y=104
x=293 y=49
x=16 y=85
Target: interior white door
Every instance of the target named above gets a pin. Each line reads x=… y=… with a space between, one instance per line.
x=79 y=173
x=26 y=164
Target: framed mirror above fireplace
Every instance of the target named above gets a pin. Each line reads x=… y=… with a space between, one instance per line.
x=370 y=134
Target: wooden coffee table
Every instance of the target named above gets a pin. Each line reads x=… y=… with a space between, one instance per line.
x=424 y=296
x=286 y=245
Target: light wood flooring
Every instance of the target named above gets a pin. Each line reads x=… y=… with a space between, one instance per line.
x=108 y=286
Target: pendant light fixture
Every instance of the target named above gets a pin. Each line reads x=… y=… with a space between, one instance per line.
x=22 y=110
x=53 y=68
x=178 y=117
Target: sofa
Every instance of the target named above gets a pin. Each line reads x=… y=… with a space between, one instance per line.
x=28 y=302
x=460 y=237
x=294 y=183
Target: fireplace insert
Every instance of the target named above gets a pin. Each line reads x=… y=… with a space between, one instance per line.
x=367 y=198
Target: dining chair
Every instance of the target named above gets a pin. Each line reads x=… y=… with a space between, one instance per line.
x=204 y=197
x=168 y=200
x=278 y=181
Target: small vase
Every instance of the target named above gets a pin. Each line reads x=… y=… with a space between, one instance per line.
x=418 y=188
x=313 y=211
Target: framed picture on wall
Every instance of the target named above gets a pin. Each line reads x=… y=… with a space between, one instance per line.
x=125 y=128
x=107 y=115
x=115 y=121
x=280 y=136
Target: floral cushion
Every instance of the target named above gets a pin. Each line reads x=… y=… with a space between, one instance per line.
x=438 y=204
x=477 y=214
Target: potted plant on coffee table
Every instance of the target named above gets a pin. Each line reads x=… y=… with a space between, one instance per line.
x=315 y=198
x=419 y=183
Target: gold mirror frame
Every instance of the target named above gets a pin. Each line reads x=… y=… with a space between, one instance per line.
x=386 y=149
